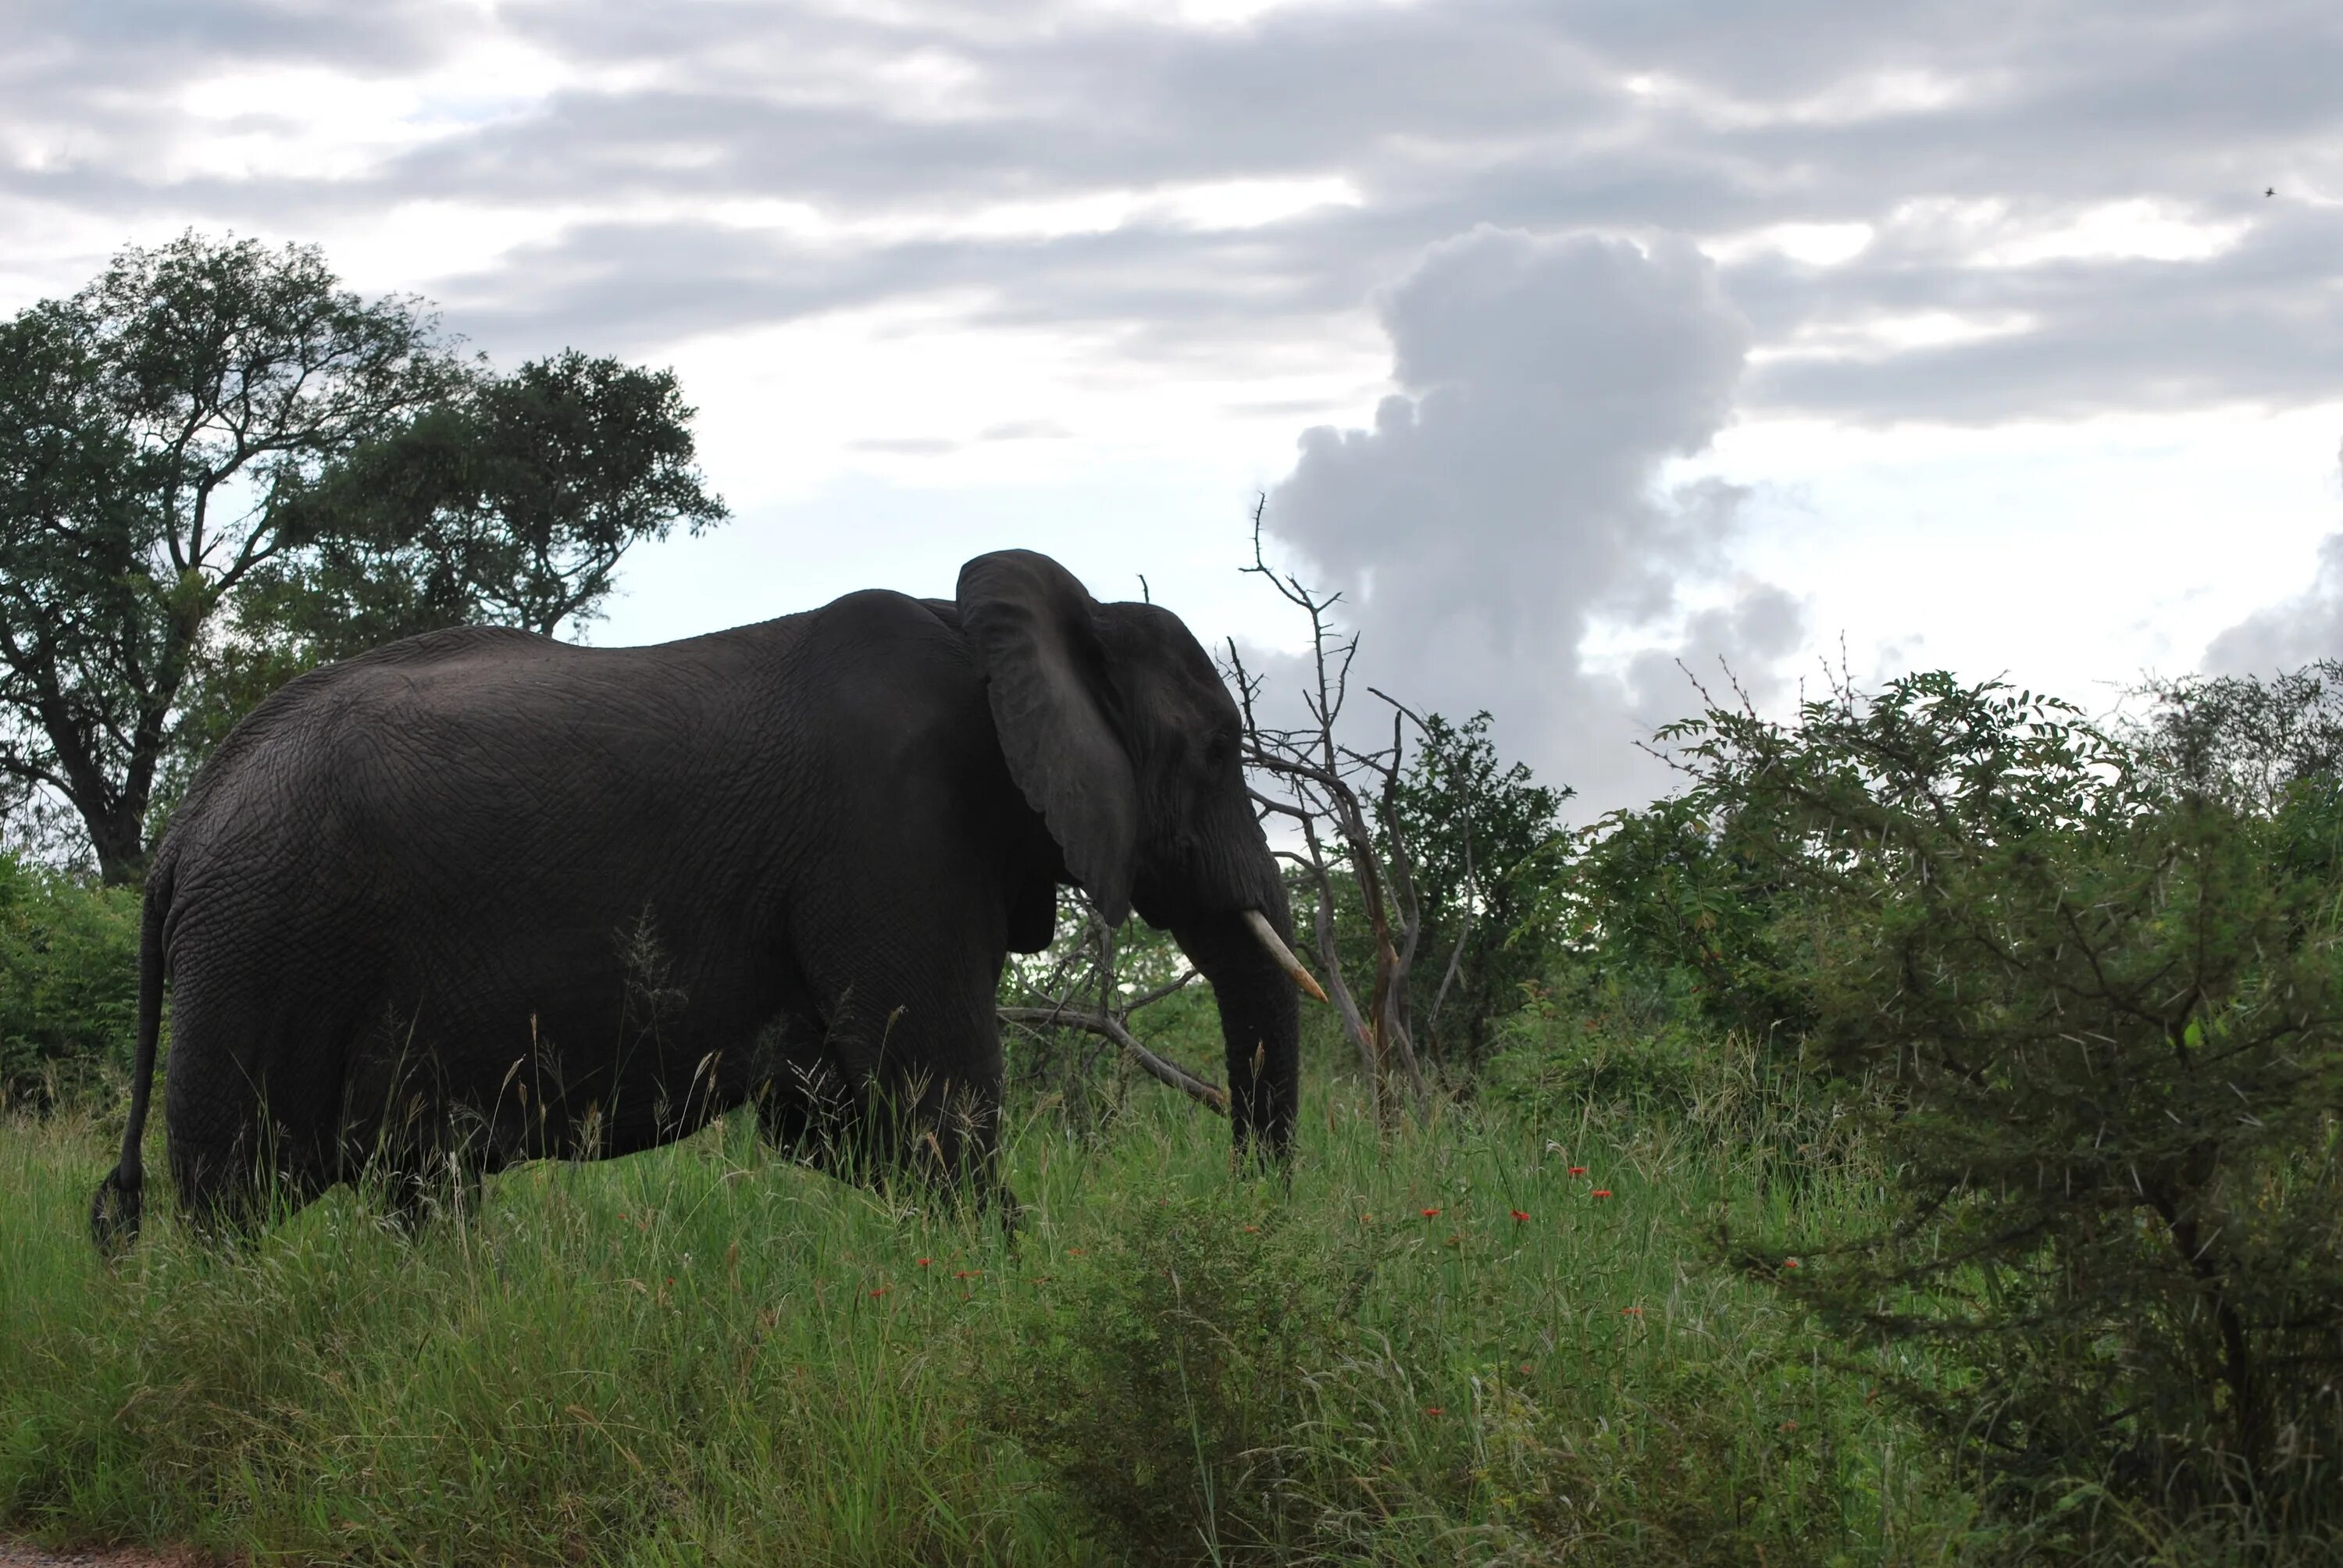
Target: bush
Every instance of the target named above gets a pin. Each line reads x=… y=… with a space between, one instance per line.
x=1674 y=1468
x=1158 y=1385
x=1561 y=1051
x=1482 y=841
x=68 y=981
x=1677 y=897
x=2094 y=1020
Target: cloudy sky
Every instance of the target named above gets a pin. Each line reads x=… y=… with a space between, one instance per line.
x=1568 y=339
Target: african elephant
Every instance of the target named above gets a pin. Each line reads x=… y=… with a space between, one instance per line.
x=483 y=894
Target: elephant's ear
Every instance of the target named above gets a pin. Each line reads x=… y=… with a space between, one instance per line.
x=1031 y=626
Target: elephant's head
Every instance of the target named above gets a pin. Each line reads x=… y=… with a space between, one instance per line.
x=1119 y=733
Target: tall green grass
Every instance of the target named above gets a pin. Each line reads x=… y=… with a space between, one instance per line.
x=1434 y=1347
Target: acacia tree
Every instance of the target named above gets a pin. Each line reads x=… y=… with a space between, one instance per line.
x=2242 y=740
x=2091 y=1016
x=512 y=503
x=219 y=468
x=508 y=504
x=154 y=428
x=1425 y=856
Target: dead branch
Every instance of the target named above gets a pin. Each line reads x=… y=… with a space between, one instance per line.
x=1161 y=1068
x=1320 y=779
x=1080 y=993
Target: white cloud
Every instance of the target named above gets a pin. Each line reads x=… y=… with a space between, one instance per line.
x=1874 y=95
x=1881 y=335
x=1511 y=496
x=1210 y=206
x=318 y=121
x=1815 y=244
x=2139 y=228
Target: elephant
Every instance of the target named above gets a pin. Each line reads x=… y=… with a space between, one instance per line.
x=478 y=896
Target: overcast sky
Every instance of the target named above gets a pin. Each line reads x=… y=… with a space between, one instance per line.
x=1569 y=340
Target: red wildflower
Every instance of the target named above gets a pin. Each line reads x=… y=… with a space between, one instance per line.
x=1519 y=1216
x=924 y=1262
x=1435 y=1410
x=1632 y=1312
x=1789 y=1262
x=883 y=1290
x=1578 y=1171
x=1432 y=1214
x=1600 y=1192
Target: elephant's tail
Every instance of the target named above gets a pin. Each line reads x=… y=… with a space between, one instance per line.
x=114 y=1211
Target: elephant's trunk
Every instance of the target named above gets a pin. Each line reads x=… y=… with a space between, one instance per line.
x=1261 y=1024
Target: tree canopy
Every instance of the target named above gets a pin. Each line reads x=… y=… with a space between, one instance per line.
x=218 y=467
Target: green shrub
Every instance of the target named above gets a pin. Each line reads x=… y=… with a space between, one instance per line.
x=2094 y=1023
x=1161 y=1382
x=1687 y=1463
x=1679 y=899
x=1482 y=841
x=68 y=980
x=1557 y=1053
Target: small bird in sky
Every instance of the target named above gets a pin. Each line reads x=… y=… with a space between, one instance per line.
x=2271 y=191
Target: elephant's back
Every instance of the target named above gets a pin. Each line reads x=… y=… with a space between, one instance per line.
x=441 y=786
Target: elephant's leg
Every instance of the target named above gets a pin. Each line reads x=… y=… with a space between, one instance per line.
x=905 y=990
x=252 y=1099
x=932 y=1070
x=408 y=1142
x=805 y=1106
x=234 y=1162
x=425 y=1159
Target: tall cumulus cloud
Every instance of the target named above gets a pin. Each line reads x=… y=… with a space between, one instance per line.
x=1511 y=497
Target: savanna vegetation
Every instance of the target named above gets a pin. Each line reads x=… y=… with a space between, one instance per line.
x=1915 y=1140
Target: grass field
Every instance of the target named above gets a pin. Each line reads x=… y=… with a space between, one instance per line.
x=1438 y=1347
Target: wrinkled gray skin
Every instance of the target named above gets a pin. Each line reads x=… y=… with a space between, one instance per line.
x=483 y=894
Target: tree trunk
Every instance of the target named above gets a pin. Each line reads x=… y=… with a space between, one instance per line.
x=118 y=834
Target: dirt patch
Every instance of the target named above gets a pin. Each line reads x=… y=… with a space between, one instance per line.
x=24 y=1555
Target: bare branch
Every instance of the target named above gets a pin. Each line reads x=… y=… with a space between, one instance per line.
x=1149 y=998
x=1163 y=1069
x=1403 y=707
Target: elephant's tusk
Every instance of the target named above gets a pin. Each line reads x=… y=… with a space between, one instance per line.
x=1281 y=953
